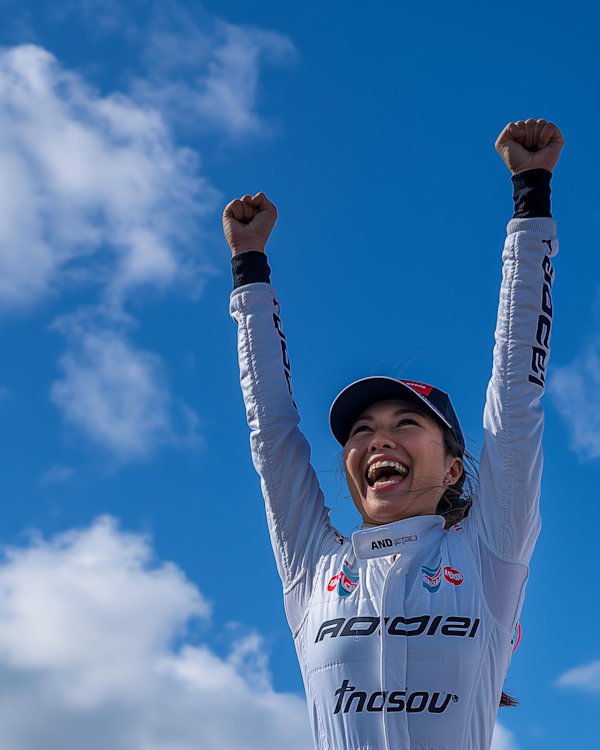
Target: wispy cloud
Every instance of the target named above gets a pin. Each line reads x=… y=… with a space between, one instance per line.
x=104 y=16
x=88 y=623
x=198 y=70
x=94 y=195
x=586 y=677
x=503 y=739
x=209 y=78
x=575 y=391
x=115 y=393
x=56 y=474
x=97 y=197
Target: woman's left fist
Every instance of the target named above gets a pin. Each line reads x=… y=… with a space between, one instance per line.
x=248 y=222
x=533 y=144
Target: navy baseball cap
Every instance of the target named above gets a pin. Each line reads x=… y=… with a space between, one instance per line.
x=361 y=394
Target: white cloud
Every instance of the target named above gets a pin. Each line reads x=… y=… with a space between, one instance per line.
x=503 y=739
x=95 y=196
x=116 y=394
x=91 y=188
x=89 y=620
x=208 y=77
x=586 y=677
x=197 y=69
x=575 y=390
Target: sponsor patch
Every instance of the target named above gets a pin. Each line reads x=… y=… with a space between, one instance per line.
x=344 y=582
x=432 y=577
x=419 y=387
x=456 y=527
x=453 y=576
x=405 y=539
x=397 y=542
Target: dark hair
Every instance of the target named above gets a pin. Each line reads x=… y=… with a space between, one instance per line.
x=456 y=502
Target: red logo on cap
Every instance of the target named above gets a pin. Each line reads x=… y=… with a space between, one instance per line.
x=419 y=387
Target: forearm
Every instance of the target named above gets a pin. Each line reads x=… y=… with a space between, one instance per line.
x=511 y=462
x=296 y=513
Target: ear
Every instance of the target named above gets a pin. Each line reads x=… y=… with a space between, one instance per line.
x=454 y=471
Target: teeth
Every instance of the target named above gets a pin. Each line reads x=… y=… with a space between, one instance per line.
x=400 y=468
x=385 y=482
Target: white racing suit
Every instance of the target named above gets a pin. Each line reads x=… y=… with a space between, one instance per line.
x=404 y=633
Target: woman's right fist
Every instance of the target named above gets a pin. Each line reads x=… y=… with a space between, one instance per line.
x=248 y=222
x=533 y=144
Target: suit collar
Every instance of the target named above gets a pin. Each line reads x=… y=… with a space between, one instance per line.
x=408 y=535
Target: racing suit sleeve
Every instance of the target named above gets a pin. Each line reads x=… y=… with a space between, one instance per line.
x=505 y=514
x=296 y=513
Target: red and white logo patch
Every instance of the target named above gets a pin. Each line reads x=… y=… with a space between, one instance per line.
x=453 y=576
x=344 y=582
x=419 y=387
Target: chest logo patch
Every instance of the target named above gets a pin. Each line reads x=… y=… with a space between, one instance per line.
x=453 y=576
x=432 y=577
x=344 y=582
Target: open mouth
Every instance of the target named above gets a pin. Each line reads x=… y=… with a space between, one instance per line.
x=386 y=473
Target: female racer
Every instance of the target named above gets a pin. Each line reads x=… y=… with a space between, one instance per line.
x=404 y=633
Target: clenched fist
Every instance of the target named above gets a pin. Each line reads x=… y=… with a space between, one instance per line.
x=530 y=145
x=248 y=222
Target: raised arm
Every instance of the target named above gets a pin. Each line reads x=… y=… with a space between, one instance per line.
x=506 y=509
x=296 y=513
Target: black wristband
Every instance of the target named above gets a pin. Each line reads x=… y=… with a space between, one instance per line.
x=531 y=194
x=250 y=267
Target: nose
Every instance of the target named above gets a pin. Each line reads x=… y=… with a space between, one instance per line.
x=380 y=441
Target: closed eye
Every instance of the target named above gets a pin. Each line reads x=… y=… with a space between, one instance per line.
x=404 y=422
x=360 y=428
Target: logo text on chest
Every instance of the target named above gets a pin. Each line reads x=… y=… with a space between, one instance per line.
x=397 y=700
x=451 y=625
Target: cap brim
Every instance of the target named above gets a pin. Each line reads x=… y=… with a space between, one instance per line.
x=358 y=396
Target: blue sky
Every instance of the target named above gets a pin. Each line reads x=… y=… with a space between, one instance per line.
x=138 y=595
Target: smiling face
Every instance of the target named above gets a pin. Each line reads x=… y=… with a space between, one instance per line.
x=396 y=462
